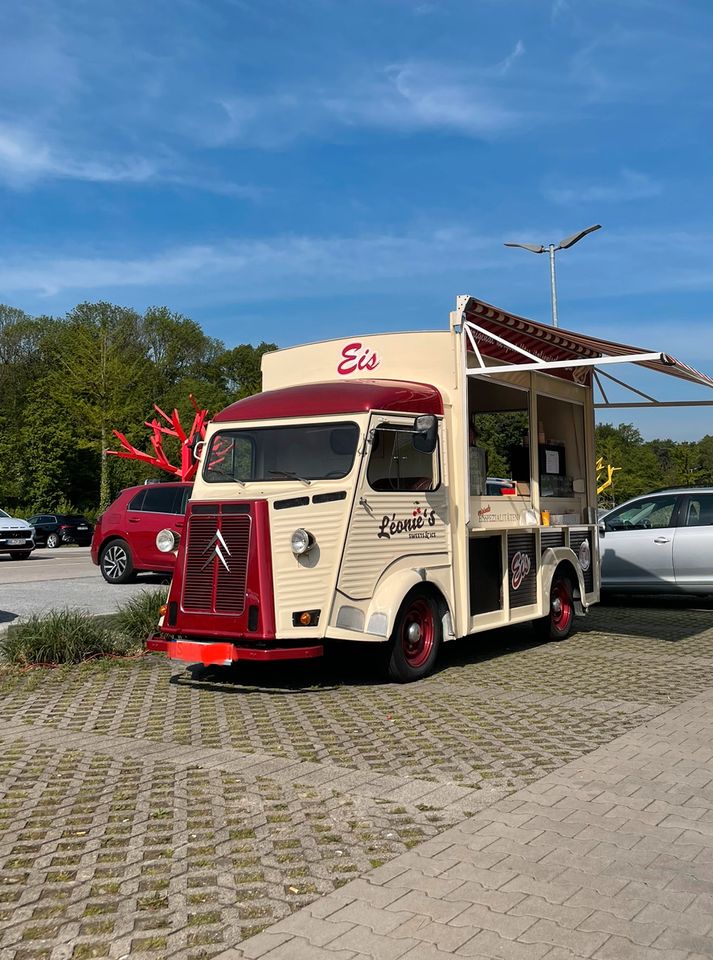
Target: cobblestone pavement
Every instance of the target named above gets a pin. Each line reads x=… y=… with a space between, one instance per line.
x=149 y=810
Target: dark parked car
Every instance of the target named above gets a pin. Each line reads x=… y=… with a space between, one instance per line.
x=124 y=541
x=659 y=543
x=54 y=529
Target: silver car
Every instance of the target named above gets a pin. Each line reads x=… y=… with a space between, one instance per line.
x=661 y=542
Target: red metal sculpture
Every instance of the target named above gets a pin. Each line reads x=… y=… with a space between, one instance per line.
x=189 y=465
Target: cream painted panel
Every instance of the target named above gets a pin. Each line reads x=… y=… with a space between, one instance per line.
x=425 y=357
x=387 y=527
x=308 y=582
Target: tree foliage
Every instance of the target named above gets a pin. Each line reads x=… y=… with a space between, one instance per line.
x=67 y=382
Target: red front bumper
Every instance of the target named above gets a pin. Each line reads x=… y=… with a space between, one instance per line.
x=227 y=653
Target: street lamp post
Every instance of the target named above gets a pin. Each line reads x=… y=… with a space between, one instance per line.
x=552 y=249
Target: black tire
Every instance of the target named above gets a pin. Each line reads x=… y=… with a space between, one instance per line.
x=559 y=622
x=53 y=541
x=116 y=562
x=413 y=652
x=22 y=555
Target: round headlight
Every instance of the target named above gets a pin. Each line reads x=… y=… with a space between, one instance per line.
x=166 y=541
x=302 y=540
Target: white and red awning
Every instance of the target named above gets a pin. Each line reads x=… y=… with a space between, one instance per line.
x=515 y=342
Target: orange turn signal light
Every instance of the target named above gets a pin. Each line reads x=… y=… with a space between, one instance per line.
x=306 y=618
x=163 y=610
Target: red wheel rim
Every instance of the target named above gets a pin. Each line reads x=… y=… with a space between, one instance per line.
x=561 y=604
x=418 y=631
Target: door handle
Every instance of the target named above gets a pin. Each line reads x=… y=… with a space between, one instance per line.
x=662 y=540
x=133 y=519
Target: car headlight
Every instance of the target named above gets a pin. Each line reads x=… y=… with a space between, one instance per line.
x=302 y=541
x=167 y=540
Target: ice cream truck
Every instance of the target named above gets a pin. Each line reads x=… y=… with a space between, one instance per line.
x=352 y=500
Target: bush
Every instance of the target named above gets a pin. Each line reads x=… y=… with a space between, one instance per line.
x=138 y=617
x=61 y=636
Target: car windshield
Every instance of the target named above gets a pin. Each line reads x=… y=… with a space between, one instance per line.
x=320 y=451
x=5 y=515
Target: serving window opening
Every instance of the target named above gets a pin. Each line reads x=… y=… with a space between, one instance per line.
x=561 y=448
x=498 y=439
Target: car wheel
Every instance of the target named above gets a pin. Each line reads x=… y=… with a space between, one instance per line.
x=53 y=541
x=558 y=623
x=23 y=555
x=116 y=563
x=416 y=638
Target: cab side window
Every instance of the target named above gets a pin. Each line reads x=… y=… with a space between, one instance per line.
x=649 y=513
x=395 y=465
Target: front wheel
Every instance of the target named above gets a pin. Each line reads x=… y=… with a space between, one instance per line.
x=416 y=638
x=558 y=623
x=23 y=555
x=116 y=563
x=53 y=540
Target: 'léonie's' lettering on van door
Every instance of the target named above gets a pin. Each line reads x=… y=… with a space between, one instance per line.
x=413 y=525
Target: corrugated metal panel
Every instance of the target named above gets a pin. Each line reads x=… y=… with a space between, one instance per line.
x=585 y=554
x=552 y=538
x=387 y=527
x=308 y=583
x=523 y=563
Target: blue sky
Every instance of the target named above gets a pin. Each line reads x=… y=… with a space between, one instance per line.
x=298 y=169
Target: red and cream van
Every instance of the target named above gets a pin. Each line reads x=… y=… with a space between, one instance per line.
x=349 y=500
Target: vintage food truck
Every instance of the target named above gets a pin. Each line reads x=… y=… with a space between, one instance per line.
x=350 y=501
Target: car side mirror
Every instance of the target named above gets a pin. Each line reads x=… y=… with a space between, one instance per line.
x=602 y=528
x=425 y=433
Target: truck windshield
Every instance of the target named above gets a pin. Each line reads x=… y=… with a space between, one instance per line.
x=320 y=451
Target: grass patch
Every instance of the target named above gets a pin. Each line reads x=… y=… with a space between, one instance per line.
x=61 y=636
x=139 y=616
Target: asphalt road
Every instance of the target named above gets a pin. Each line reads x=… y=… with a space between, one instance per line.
x=65 y=577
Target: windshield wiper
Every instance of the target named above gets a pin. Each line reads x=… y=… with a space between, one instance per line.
x=289 y=475
x=228 y=476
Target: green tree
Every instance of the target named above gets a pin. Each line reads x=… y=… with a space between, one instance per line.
x=101 y=377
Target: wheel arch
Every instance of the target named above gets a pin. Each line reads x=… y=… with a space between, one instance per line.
x=563 y=561
x=391 y=592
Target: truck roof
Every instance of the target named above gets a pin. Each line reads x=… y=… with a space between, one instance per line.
x=336 y=397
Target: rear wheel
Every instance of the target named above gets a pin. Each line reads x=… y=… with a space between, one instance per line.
x=558 y=623
x=416 y=638
x=116 y=562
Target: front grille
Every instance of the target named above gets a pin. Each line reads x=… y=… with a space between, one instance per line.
x=15 y=535
x=216 y=563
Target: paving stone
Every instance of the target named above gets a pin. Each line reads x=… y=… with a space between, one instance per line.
x=242 y=805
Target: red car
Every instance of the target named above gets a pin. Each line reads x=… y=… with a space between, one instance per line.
x=124 y=541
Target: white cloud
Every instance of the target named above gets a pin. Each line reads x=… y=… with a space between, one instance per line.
x=656 y=261
x=408 y=98
x=628 y=185
x=259 y=266
x=24 y=158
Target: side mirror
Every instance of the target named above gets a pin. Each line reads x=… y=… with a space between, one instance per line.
x=602 y=528
x=425 y=433
x=197 y=447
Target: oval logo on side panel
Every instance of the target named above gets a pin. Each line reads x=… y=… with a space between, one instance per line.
x=585 y=555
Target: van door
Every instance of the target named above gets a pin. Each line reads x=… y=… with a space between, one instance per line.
x=400 y=516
